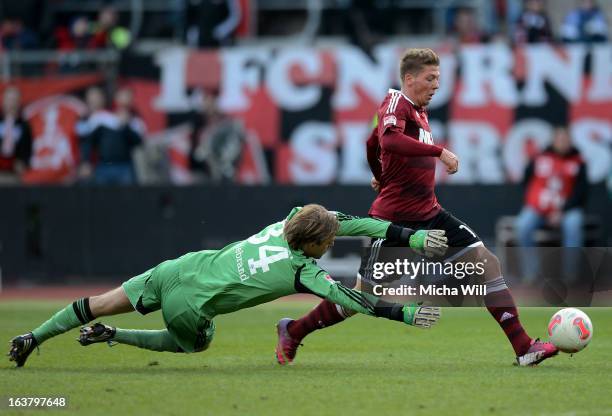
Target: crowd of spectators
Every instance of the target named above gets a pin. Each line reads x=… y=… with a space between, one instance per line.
x=112 y=146
x=108 y=134
x=78 y=31
x=15 y=138
x=199 y=23
x=107 y=138
x=521 y=22
x=212 y=23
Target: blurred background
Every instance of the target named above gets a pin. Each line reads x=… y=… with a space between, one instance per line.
x=133 y=131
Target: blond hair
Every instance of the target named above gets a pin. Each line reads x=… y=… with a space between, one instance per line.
x=415 y=59
x=312 y=224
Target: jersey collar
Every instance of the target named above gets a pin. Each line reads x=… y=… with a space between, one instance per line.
x=406 y=97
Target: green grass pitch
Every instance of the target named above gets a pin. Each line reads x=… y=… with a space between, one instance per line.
x=365 y=366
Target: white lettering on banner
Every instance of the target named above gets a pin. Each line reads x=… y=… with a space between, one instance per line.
x=601 y=73
x=514 y=155
x=477 y=146
x=593 y=138
x=355 y=68
x=314 y=153
x=241 y=70
x=335 y=151
x=354 y=167
x=487 y=68
x=173 y=91
x=545 y=64
x=278 y=78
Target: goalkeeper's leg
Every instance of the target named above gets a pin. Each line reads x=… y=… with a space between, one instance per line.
x=77 y=313
x=154 y=340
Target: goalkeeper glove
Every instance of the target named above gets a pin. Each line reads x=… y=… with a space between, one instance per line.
x=421 y=316
x=429 y=243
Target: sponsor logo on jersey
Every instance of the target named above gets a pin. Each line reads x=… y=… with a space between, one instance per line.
x=389 y=120
x=425 y=136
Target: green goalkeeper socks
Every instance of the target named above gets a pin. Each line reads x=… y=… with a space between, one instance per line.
x=156 y=340
x=73 y=315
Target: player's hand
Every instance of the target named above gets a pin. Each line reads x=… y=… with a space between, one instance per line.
x=429 y=243
x=421 y=316
x=450 y=160
x=375 y=184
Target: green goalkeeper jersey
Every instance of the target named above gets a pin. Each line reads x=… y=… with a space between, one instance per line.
x=263 y=268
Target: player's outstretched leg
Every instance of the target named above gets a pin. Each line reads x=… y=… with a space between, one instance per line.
x=79 y=312
x=291 y=332
x=501 y=306
x=154 y=340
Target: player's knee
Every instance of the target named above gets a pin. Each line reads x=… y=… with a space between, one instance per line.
x=109 y=303
x=100 y=305
x=491 y=262
x=204 y=338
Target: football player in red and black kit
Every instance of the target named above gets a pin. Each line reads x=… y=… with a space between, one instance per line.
x=402 y=156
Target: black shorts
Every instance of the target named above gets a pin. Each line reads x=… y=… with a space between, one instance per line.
x=457 y=232
x=459 y=235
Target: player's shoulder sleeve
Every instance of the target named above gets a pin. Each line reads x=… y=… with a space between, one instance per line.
x=358 y=226
x=308 y=278
x=393 y=112
x=294 y=211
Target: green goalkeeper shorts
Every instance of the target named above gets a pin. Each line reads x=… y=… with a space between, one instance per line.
x=162 y=288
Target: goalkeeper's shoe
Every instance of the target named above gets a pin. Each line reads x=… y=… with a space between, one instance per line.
x=286 y=348
x=21 y=347
x=537 y=352
x=97 y=332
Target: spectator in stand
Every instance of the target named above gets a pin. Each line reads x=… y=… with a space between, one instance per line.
x=213 y=23
x=556 y=192
x=466 y=28
x=217 y=148
x=586 y=23
x=77 y=36
x=108 y=139
x=15 y=138
x=107 y=32
x=533 y=25
x=14 y=35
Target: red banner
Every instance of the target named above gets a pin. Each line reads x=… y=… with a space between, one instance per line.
x=307 y=111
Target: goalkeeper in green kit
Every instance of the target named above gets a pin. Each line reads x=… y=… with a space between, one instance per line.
x=192 y=289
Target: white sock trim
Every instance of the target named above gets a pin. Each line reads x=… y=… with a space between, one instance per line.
x=496 y=285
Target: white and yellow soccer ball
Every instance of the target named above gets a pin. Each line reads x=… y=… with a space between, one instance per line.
x=570 y=330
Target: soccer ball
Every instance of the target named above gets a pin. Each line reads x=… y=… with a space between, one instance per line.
x=570 y=330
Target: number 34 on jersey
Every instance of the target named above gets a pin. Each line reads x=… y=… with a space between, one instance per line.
x=268 y=254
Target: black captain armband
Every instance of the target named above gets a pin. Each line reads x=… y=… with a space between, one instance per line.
x=399 y=234
x=388 y=310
